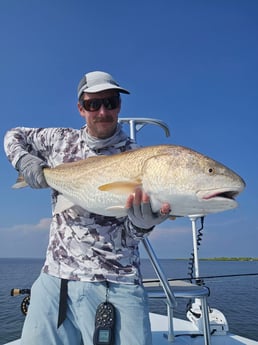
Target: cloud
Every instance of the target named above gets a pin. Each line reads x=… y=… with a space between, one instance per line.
x=25 y=240
x=172 y=239
x=221 y=237
x=43 y=224
x=164 y=231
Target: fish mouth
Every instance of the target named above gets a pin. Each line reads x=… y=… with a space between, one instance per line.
x=223 y=193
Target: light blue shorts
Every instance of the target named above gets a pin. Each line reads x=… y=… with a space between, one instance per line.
x=40 y=327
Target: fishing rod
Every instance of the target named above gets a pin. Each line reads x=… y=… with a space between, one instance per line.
x=204 y=277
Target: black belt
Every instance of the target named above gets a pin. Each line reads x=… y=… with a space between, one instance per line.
x=62 y=302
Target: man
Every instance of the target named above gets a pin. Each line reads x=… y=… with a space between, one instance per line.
x=90 y=258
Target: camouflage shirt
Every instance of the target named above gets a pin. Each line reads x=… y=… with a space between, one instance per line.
x=82 y=245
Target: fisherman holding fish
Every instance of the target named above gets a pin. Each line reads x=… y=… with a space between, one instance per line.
x=90 y=258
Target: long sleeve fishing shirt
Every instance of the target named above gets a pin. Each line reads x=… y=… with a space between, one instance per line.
x=82 y=245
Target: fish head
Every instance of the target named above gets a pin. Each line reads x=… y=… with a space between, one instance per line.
x=216 y=185
x=191 y=182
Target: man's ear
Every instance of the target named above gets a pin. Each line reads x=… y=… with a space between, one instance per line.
x=80 y=109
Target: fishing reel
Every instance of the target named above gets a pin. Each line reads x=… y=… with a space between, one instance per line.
x=26 y=300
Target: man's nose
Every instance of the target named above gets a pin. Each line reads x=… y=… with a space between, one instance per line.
x=103 y=109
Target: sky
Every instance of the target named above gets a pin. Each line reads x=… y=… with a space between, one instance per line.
x=191 y=64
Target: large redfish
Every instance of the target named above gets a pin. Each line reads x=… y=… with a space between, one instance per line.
x=192 y=183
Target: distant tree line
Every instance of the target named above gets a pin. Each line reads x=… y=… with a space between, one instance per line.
x=232 y=259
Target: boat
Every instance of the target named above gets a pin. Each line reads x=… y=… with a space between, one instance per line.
x=203 y=325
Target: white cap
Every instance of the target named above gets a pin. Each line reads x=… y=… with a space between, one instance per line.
x=98 y=81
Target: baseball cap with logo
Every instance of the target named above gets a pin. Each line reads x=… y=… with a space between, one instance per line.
x=98 y=81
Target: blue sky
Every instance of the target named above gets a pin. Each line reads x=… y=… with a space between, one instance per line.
x=192 y=64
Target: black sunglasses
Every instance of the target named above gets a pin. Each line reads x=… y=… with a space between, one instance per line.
x=95 y=103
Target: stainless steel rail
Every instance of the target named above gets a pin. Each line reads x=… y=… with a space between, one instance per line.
x=192 y=291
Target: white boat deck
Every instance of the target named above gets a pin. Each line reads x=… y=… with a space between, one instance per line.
x=185 y=334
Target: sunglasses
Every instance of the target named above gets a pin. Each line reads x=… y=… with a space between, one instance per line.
x=95 y=103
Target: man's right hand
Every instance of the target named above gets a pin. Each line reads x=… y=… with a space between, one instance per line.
x=31 y=168
x=140 y=213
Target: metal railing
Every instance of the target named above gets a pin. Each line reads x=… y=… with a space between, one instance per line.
x=192 y=291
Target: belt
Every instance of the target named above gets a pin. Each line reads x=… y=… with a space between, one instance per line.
x=62 y=302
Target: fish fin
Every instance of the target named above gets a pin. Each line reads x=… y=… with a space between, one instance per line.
x=121 y=187
x=62 y=204
x=95 y=158
x=119 y=210
x=20 y=183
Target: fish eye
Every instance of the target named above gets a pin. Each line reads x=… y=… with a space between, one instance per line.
x=211 y=171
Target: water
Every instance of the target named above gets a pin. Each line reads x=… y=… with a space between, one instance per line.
x=236 y=297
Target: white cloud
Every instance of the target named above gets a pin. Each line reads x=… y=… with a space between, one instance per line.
x=25 y=240
x=43 y=224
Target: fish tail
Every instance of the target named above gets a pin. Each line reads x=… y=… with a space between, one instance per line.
x=20 y=183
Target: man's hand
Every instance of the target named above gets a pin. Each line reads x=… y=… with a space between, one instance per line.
x=31 y=168
x=140 y=213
